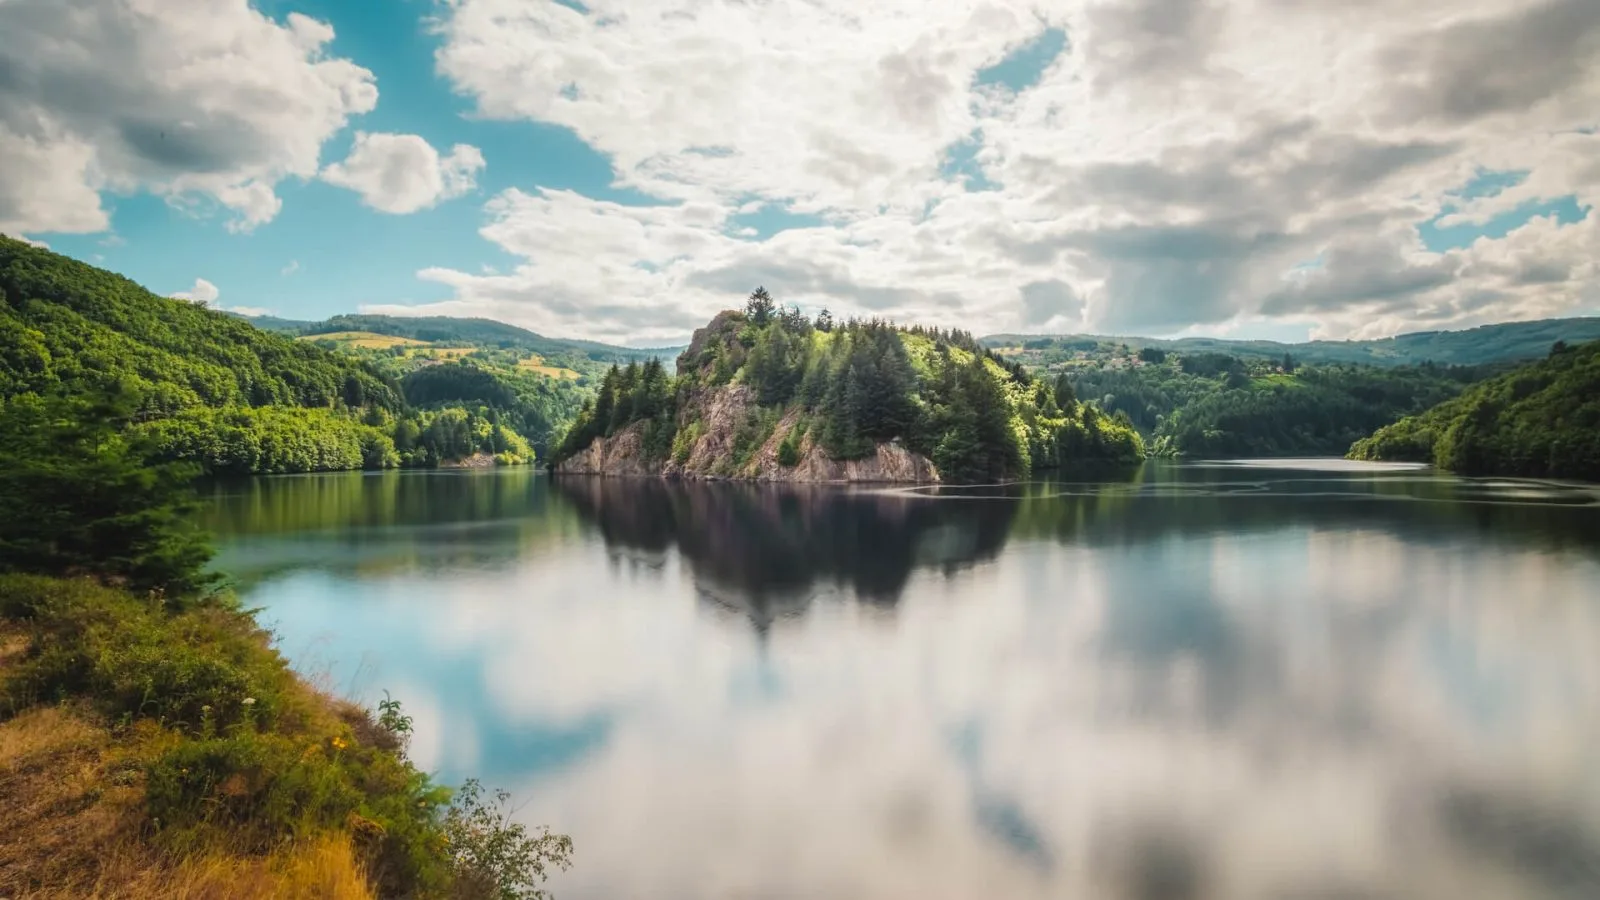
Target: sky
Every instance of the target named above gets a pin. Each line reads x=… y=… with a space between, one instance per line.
x=620 y=171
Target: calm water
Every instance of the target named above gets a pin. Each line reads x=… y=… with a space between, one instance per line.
x=1287 y=680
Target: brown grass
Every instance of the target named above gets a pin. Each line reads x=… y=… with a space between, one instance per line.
x=73 y=827
x=368 y=339
x=536 y=364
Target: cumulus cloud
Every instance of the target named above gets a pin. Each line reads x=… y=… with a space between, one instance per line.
x=1178 y=163
x=210 y=105
x=204 y=293
x=402 y=173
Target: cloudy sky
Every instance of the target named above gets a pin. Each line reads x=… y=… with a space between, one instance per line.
x=621 y=170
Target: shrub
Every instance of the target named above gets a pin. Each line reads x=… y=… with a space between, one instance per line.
x=134 y=659
x=789 y=450
x=683 y=443
x=258 y=788
x=494 y=857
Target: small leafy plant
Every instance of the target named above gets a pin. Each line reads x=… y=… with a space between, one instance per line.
x=496 y=858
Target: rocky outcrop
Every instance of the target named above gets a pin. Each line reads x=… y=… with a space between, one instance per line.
x=475 y=461
x=718 y=413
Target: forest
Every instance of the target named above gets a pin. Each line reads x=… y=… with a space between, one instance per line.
x=1541 y=420
x=1218 y=405
x=856 y=384
x=1498 y=343
x=209 y=387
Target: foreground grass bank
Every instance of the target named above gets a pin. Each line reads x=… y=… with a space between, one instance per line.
x=153 y=749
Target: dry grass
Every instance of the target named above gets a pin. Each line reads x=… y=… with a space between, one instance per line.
x=72 y=826
x=72 y=820
x=536 y=364
x=368 y=339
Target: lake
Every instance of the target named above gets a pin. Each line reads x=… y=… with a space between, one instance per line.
x=1302 y=680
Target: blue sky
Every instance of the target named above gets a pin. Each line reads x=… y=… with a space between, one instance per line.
x=620 y=172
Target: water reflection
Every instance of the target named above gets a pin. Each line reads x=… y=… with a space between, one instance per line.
x=1197 y=681
x=768 y=551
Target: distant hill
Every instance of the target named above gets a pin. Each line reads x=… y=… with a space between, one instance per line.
x=1539 y=420
x=67 y=326
x=1510 y=341
x=478 y=332
x=213 y=388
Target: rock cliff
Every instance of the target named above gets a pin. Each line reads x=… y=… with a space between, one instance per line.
x=710 y=450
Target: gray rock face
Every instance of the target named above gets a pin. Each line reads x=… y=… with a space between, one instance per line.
x=719 y=411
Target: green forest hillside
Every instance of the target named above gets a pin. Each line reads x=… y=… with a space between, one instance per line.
x=1503 y=342
x=1541 y=420
x=767 y=393
x=476 y=333
x=209 y=387
x=1217 y=405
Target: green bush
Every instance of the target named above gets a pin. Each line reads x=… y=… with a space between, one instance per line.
x=258 y=788
x=683 y=443
x=135 y=660
x=789 y=450
x=495 y=858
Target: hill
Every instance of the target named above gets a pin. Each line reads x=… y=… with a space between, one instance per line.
x=1541 y=420
x=1217 y=405
x=210 y=387
x=765 y=394
x=1509 y=341
x=479 y=333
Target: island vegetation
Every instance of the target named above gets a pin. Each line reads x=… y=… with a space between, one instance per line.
x=153 y=743
x=1541 y=420
x=766 y=392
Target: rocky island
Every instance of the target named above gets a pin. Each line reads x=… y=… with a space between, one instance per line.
x=767 y=394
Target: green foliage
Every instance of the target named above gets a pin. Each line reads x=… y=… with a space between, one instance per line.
x=683 y=442
x=1226 y=406
x=210 y=388
x=71 y=328
x=628 y=395
x=749 y=437
x=269 y=439
x=859 y=384
x=1542 y=420
x=78 y=495
x=759 y=308
x=135 y=659
x=789 y=449
x=494 y=857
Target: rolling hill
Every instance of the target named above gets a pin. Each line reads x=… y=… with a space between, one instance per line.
x=442 y=330
x=1539 y=420
x=1509 y=341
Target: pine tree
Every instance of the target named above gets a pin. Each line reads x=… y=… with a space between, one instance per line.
x=759 y=308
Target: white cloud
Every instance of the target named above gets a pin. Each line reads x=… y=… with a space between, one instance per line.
x=203 y=293
x=208 y=104
x=1165 y=171
x=290 y=269
x=250 y=311
x=402 y=173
